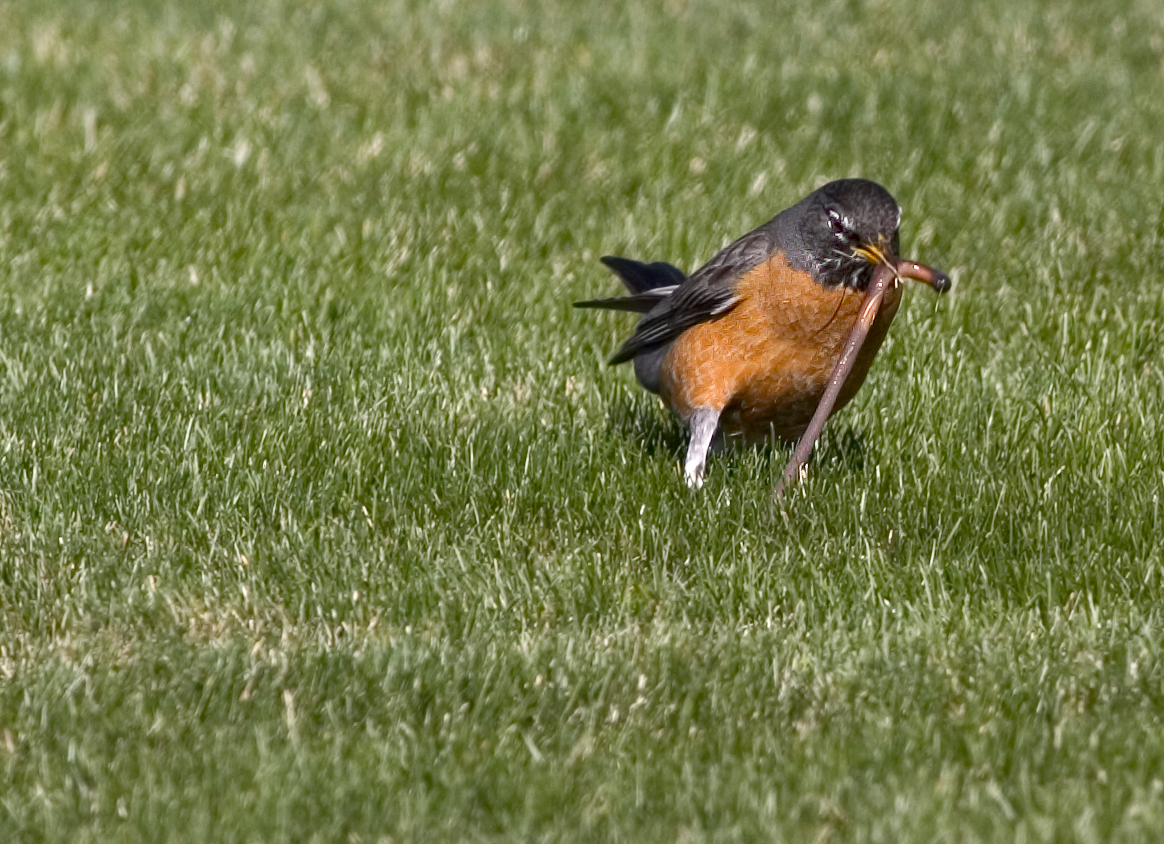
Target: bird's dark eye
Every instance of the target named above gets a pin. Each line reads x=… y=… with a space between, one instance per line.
x=836 y=223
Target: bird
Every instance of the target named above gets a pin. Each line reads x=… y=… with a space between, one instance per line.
x=778 y=330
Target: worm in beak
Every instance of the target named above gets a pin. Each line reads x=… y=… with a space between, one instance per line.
x=888 y=272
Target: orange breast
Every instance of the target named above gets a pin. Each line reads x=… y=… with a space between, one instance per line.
x=765 y=364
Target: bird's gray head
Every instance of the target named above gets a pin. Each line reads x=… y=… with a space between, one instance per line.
x=846 y=228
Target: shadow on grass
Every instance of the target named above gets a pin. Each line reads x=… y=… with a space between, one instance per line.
x=639 y=421
x=660 y=434
x=846 y=447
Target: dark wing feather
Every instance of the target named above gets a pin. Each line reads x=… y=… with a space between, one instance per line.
x=638 y=303
x=707 y=293
x=640 y=278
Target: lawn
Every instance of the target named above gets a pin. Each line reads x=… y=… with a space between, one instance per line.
x=323 y=519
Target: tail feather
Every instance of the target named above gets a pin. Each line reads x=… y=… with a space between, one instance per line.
x=639 y=277
x=638 y=303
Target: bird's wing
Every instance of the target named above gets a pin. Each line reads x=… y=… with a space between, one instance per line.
x=707 y=293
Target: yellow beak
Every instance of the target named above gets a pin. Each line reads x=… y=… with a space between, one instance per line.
x=872 y=254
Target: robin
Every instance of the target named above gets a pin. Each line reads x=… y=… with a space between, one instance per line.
x=778 y=330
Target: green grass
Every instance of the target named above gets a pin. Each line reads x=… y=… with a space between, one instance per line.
x=321 y=517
